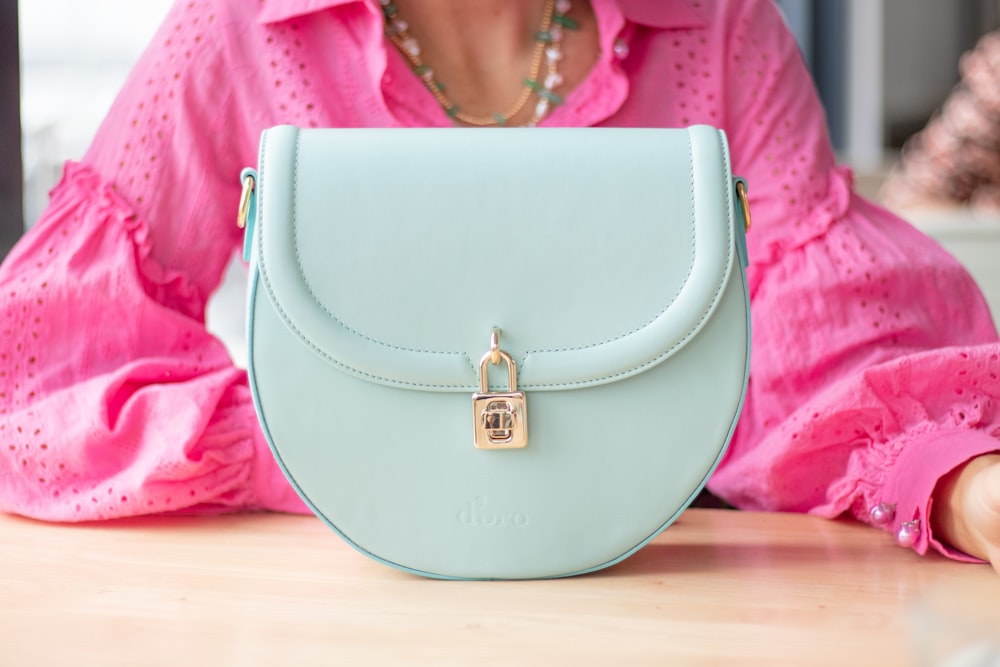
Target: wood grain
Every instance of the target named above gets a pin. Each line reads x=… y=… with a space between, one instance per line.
x=717 y=588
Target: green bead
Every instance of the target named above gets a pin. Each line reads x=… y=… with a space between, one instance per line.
x=534 y=85
x=420 y=70
x=543 y=36
x=452 y=111
x=566 y=22
x=553 y=98
x=389 y=10
x=498 y=117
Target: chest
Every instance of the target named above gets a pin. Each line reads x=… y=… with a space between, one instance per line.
x=640 y=77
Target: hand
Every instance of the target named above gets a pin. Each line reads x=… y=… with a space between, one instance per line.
x=966 y=509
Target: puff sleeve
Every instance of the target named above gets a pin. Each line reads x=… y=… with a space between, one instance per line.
x=875 y=365
x=114 y=399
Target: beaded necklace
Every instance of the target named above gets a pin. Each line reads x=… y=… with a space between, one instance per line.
x=548 y=47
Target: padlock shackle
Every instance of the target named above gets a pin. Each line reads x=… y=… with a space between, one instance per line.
x=484 y=381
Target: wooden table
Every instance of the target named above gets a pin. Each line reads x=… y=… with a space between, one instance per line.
x=717 y=588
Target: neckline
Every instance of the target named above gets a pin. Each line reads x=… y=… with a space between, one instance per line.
x=595 y=98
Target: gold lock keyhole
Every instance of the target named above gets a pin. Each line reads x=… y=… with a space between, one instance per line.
x=500 y=419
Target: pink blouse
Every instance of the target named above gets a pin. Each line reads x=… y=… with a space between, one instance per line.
x=875 y=364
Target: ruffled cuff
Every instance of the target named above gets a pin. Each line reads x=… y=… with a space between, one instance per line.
x=907 y=494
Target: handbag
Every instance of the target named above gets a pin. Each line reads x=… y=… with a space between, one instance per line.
x=503 y=354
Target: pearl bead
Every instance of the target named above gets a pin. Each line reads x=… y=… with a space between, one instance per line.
x=907 y=534
x=541 y=108
x=553 y=79
x=883 y=514
x=554 y=54
x=411 y=47
x=620 y=49
x=563 y=6
x=556 y=33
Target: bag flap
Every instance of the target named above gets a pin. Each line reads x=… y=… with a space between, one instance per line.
x=393 y=253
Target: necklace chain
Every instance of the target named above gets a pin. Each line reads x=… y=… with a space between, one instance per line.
x=548 y=47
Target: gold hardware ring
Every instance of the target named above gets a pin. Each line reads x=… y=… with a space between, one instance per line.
x=244 y=210
x=741 y=194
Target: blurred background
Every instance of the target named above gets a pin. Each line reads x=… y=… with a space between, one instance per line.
x=70 y=75
x=882 y=68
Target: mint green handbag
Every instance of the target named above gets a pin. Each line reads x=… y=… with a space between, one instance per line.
x=502 y=354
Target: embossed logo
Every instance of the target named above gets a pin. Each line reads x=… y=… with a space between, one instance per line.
x=477 y=513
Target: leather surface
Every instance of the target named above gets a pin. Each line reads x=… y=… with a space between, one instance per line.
x=382 y=259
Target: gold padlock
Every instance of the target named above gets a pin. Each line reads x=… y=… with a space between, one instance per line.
x=500 y=419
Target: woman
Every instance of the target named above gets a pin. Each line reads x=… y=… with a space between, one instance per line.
x=874 y=378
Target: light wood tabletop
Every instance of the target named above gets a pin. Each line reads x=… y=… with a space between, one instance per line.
x=717 y=588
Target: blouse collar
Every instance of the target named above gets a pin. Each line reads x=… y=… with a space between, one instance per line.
x=664 y=14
